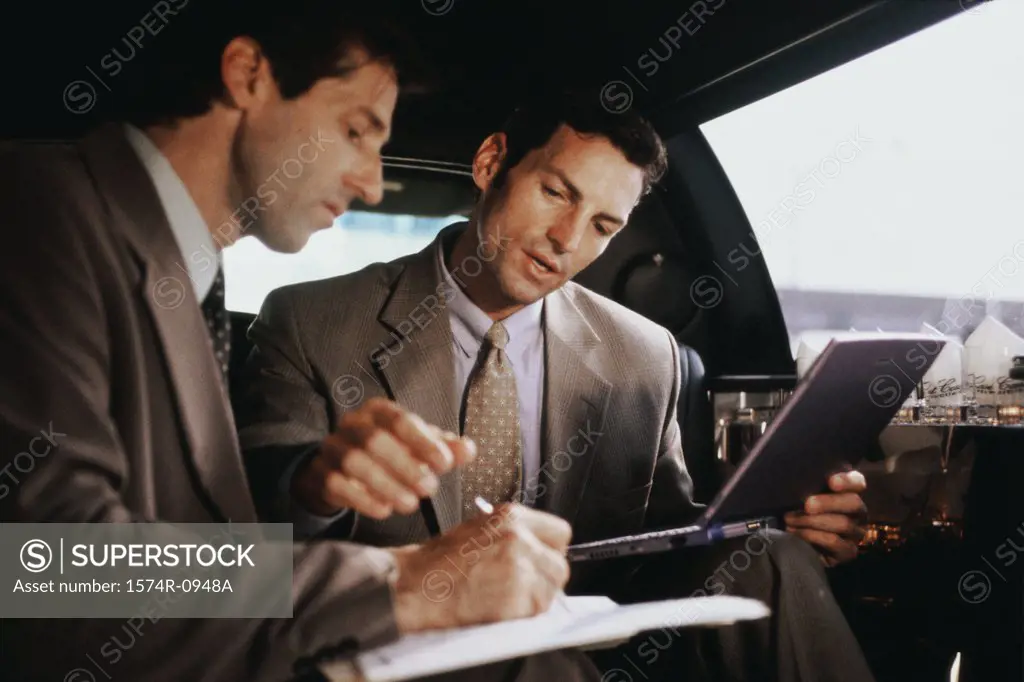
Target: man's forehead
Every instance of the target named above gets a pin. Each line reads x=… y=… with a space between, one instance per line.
x=371 y=86
x=571 y=157
x=567 y=149
x=568 y=145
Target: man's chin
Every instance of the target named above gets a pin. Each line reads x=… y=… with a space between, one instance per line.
x=524 y=292
x=289 y=240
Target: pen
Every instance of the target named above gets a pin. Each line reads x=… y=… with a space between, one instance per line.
x=430 y=517
x=483 y=505
x=487 y=508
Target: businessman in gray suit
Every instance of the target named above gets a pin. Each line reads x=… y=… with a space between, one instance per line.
x=571 y=399
x=113 y=342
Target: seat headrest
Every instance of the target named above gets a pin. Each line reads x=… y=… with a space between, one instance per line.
x=650 y=284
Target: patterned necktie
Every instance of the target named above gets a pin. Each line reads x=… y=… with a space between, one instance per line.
x=492 y=421
x=218 y=323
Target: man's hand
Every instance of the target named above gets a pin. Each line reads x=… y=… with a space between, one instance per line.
x=494 y=567
x=831 y=521
x=380 y=459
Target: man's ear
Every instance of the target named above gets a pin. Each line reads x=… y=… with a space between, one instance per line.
x=488 y=160
x=246 y=74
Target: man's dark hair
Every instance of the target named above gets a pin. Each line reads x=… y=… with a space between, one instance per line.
x=533 y=123
x=304 y=40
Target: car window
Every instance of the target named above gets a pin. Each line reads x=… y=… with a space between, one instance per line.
x=889 y=192
x=357 y=239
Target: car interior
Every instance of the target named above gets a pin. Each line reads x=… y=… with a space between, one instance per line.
x=694 y=257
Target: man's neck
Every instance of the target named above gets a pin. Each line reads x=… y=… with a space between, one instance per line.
x=200 y=152
x=482 y=289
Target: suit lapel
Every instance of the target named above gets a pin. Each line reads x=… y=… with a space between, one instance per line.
x=575 y=401
x=417 y=363
x=168 y=295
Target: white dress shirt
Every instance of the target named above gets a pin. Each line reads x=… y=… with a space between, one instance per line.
x=199 y=257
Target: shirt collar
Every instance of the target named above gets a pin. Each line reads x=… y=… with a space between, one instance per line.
x=470 y=324
x=190 y=230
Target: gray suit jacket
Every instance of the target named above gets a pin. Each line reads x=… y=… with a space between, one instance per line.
x=612 y=459
x=102 y=338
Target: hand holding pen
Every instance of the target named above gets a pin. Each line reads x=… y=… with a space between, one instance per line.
x=508 y=562
x=487 y=508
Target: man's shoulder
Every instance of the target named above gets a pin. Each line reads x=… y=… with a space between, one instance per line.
x=359 y=287
x=35 y=151
x=612 y=320
x=48 y=196
x=31 y=169
x=637 y=355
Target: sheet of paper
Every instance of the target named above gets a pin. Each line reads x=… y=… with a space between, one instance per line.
x=578 y=622
x=583 y=605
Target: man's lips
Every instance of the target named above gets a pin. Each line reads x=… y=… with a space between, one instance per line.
x=334 y=208
x=544 y=262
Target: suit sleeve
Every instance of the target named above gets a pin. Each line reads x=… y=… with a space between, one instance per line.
x=282 y=415
x=671 y=503
x=57 y=365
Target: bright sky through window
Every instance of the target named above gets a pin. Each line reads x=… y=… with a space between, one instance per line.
x=929 y=202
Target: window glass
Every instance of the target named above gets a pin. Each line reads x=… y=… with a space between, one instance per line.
x=356 y=240
x=889 y=192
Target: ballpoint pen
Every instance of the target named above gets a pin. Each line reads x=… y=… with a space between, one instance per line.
x=487 y=508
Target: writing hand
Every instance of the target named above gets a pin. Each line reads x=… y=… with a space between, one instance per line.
x=493 y=567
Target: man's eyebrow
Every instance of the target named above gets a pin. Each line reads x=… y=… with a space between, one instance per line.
x=374 y=119
x=573 y=189
x=577 y=195
x=376 y=123
x=610 y=218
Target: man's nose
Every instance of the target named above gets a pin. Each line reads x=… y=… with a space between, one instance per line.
x=367 y=181
x=566 y=234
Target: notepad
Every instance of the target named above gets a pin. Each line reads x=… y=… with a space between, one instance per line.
x=575 y=622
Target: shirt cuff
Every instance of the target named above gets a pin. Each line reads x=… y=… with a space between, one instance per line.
x=304 y=524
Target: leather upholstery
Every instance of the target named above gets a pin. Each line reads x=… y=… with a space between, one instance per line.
x=696 y=420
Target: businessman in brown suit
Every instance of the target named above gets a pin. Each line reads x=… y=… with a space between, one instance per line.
x=572 y=395
x=112 y=341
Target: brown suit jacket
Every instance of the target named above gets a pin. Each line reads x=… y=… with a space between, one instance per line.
x=102 y=340
x=612 y=459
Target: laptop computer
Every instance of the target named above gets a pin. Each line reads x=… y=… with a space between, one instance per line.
x=851 y=392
